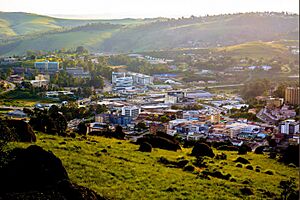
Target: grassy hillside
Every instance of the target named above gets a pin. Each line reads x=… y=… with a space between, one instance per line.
x=125 y=173
x=258 y=49
x=17 y=23
x=144 y=34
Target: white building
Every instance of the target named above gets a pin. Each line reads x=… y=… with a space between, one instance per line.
x=131 y=111
x=289 y=126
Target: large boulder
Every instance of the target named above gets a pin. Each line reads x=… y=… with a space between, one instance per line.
x=22 y=129
x=159 y=142
x=202 y=149
x=34 y=173
x=145 y=147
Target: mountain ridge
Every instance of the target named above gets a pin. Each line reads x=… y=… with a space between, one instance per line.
x=132 y=35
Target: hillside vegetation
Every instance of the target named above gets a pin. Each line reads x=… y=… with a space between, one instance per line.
x=20 y=32
x=115 y=169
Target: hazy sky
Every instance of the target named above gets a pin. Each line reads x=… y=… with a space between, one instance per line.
x=144 y=8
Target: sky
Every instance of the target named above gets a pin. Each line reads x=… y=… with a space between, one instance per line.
x=113 y=9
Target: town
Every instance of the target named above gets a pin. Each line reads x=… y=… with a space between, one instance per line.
x=160 y=102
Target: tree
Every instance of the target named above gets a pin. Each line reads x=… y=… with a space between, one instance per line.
x=81 y=50
x=119 y=134
x=289 y=189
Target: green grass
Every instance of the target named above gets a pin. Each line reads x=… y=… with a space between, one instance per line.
x=125 y=173
x=257 y=50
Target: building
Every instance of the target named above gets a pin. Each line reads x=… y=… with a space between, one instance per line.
x=292 y=95
x=131 y=111
x=47 y=66
x=274 y=102
x=78 y=72
x=289 y=126
x=136 y=79
x=40 y=80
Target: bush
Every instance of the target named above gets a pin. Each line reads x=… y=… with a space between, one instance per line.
x=242 y=160
x=272 y=155
x=291 y=155
x=219 y=144
x=244 y=149
x=259 y=150
x=145 y=147
x=202 y=149
x=228 y=148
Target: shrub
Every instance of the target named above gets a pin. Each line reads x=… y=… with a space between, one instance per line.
x=259 y=150
x=272 y=155
x=145 y=147
x=244 y=149
x=257 y=170
x=291 y=155
x=202 y=149
x=218 y=144
x=228 y=148
x=242 y=160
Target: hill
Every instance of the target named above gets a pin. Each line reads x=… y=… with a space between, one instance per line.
x=13 y=24
x=122 y=172
x=20 y=32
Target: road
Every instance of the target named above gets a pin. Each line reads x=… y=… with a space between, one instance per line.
x=11 y=87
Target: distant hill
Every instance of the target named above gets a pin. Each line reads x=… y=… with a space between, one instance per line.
x=20 y=32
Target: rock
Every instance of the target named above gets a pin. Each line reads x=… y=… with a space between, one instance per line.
x=242 y=160
x=104 y=151
x=145 y=147
x=22 y=129
x=159 y=142
x=189 y=168
x=34 y=173
x=249 y=167
x=246 y=191
x=202 y=149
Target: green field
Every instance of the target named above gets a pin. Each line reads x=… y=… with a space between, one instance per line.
x=125 y=173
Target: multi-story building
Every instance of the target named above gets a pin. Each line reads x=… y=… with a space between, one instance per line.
x=292 y=95
x=289 y=126
x=131 y=111
x=274 y=102
x=47 y=66
x=134 y=79
x=78 y=72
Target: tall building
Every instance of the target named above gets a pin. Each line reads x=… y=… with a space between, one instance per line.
x=289 y=126
x=292 y=95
